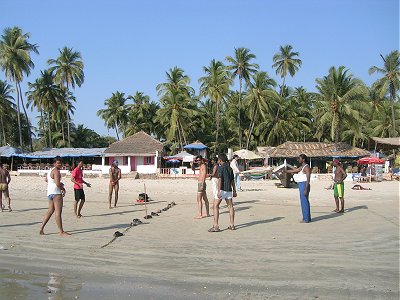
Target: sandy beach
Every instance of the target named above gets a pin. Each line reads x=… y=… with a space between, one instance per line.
x=354 y=255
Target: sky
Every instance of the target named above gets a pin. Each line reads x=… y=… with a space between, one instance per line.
x=128 y=46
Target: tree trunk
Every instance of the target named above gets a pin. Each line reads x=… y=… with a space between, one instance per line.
x=217 y=121
x=393 y=119
x=18 y=116
x=68 y=132
x=116 y=131
x=3 y=131
x=49 y=127
x=251 y=128
x=27 y=120
x=239 y=106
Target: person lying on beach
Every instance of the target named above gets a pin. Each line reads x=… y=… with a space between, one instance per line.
x=359 y=187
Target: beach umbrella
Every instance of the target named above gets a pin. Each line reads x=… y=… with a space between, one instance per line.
x=247 y=154
x=369 y=160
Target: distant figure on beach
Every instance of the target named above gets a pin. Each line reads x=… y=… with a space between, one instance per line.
x=77 y=179
x=115 y=176
x=236 y=171
x=338 y=185
x=214 y=177
x=5 y=179
x=303 y=180
x=55 y=194
x=226 y=191
x=202 y=189
x=359 y=187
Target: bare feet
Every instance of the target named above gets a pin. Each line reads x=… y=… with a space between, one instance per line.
x=79 y=216
x=198 y=217
x=110 y=207
x=302 y=221
x=336 y=210
x=205 y=216
x=41 y=232
x=341 y=211
x=64 y=233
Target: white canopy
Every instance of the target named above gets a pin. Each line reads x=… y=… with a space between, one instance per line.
x=247 y=154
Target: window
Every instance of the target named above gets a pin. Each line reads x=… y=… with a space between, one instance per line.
x=148 y=160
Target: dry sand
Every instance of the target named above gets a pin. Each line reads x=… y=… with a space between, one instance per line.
x=354 y=255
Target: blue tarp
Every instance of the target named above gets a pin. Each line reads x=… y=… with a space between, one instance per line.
x=63 y=152
x=196 y=145
x=8 y=151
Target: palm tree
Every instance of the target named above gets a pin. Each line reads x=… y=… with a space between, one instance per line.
x=15 y=60
x=177 y=109
x=68 y=68
x=257 y=99
x=177 y=81
x=242 y=67
x=44 y=94
x=215 y=85
x=116 y=114
x=285 y=62
x=382 y=124
x=390 y=82
x=7 y=107
x=340 y=102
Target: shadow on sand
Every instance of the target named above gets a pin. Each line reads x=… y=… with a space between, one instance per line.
x=335 y=214
x=20 y=224
x=115 y=212
x=259 y=222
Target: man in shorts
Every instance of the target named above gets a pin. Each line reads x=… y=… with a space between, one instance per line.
x=202 y=188
x=5 y=179
x=226 y=191
x=338 y=185
x=77 y=179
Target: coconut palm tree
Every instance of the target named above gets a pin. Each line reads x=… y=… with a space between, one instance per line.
x=215 y=85
x=44 y=94
x=285 y=62
x=115 y=115
x=68 y=70
x=7 y=107
x=390 y=82
x=15 y=60
x=241 y=67
x=257 y=99
x=177 y=81
x=382 y=124
x=340 y=102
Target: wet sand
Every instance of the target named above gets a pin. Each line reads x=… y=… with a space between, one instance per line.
x=354 y=255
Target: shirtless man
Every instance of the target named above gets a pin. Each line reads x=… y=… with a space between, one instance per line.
x=55 y=194
x=202 y=189
x=5 y=179
x=338 y=185
x=115 y=176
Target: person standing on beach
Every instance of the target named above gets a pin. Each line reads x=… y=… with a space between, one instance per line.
x=115 y=176
x=226 y=191
x=202 y=188
x=214 y=177
x=77 y=179
x=55 y=194
x=236 y=171
x=338 y=185
x=303 y=180
x=5 y=179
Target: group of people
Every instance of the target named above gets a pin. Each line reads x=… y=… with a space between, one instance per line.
x=224 y=177
x=223 y=186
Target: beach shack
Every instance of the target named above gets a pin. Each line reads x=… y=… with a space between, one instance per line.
x=136 y=153
x=319 y=154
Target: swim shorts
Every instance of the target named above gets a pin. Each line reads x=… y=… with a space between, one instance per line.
x=338 y=190
x=201 y=187
x=3 y=187
x=226 y=195
x=79 y=194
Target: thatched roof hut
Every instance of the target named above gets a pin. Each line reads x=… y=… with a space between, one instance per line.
x=312 y=149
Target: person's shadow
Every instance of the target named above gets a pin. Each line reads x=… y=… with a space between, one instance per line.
x=258 y=222
x=335 y=214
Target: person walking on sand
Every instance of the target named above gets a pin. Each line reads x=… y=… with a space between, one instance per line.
x=214 y=177
x=226 y=191
x=202 y=188
x=77 y=179
x=236 y=171
x=338 y=185
x=115 y=176
x=55 y=194
x=5 y=180
x=303 y=180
